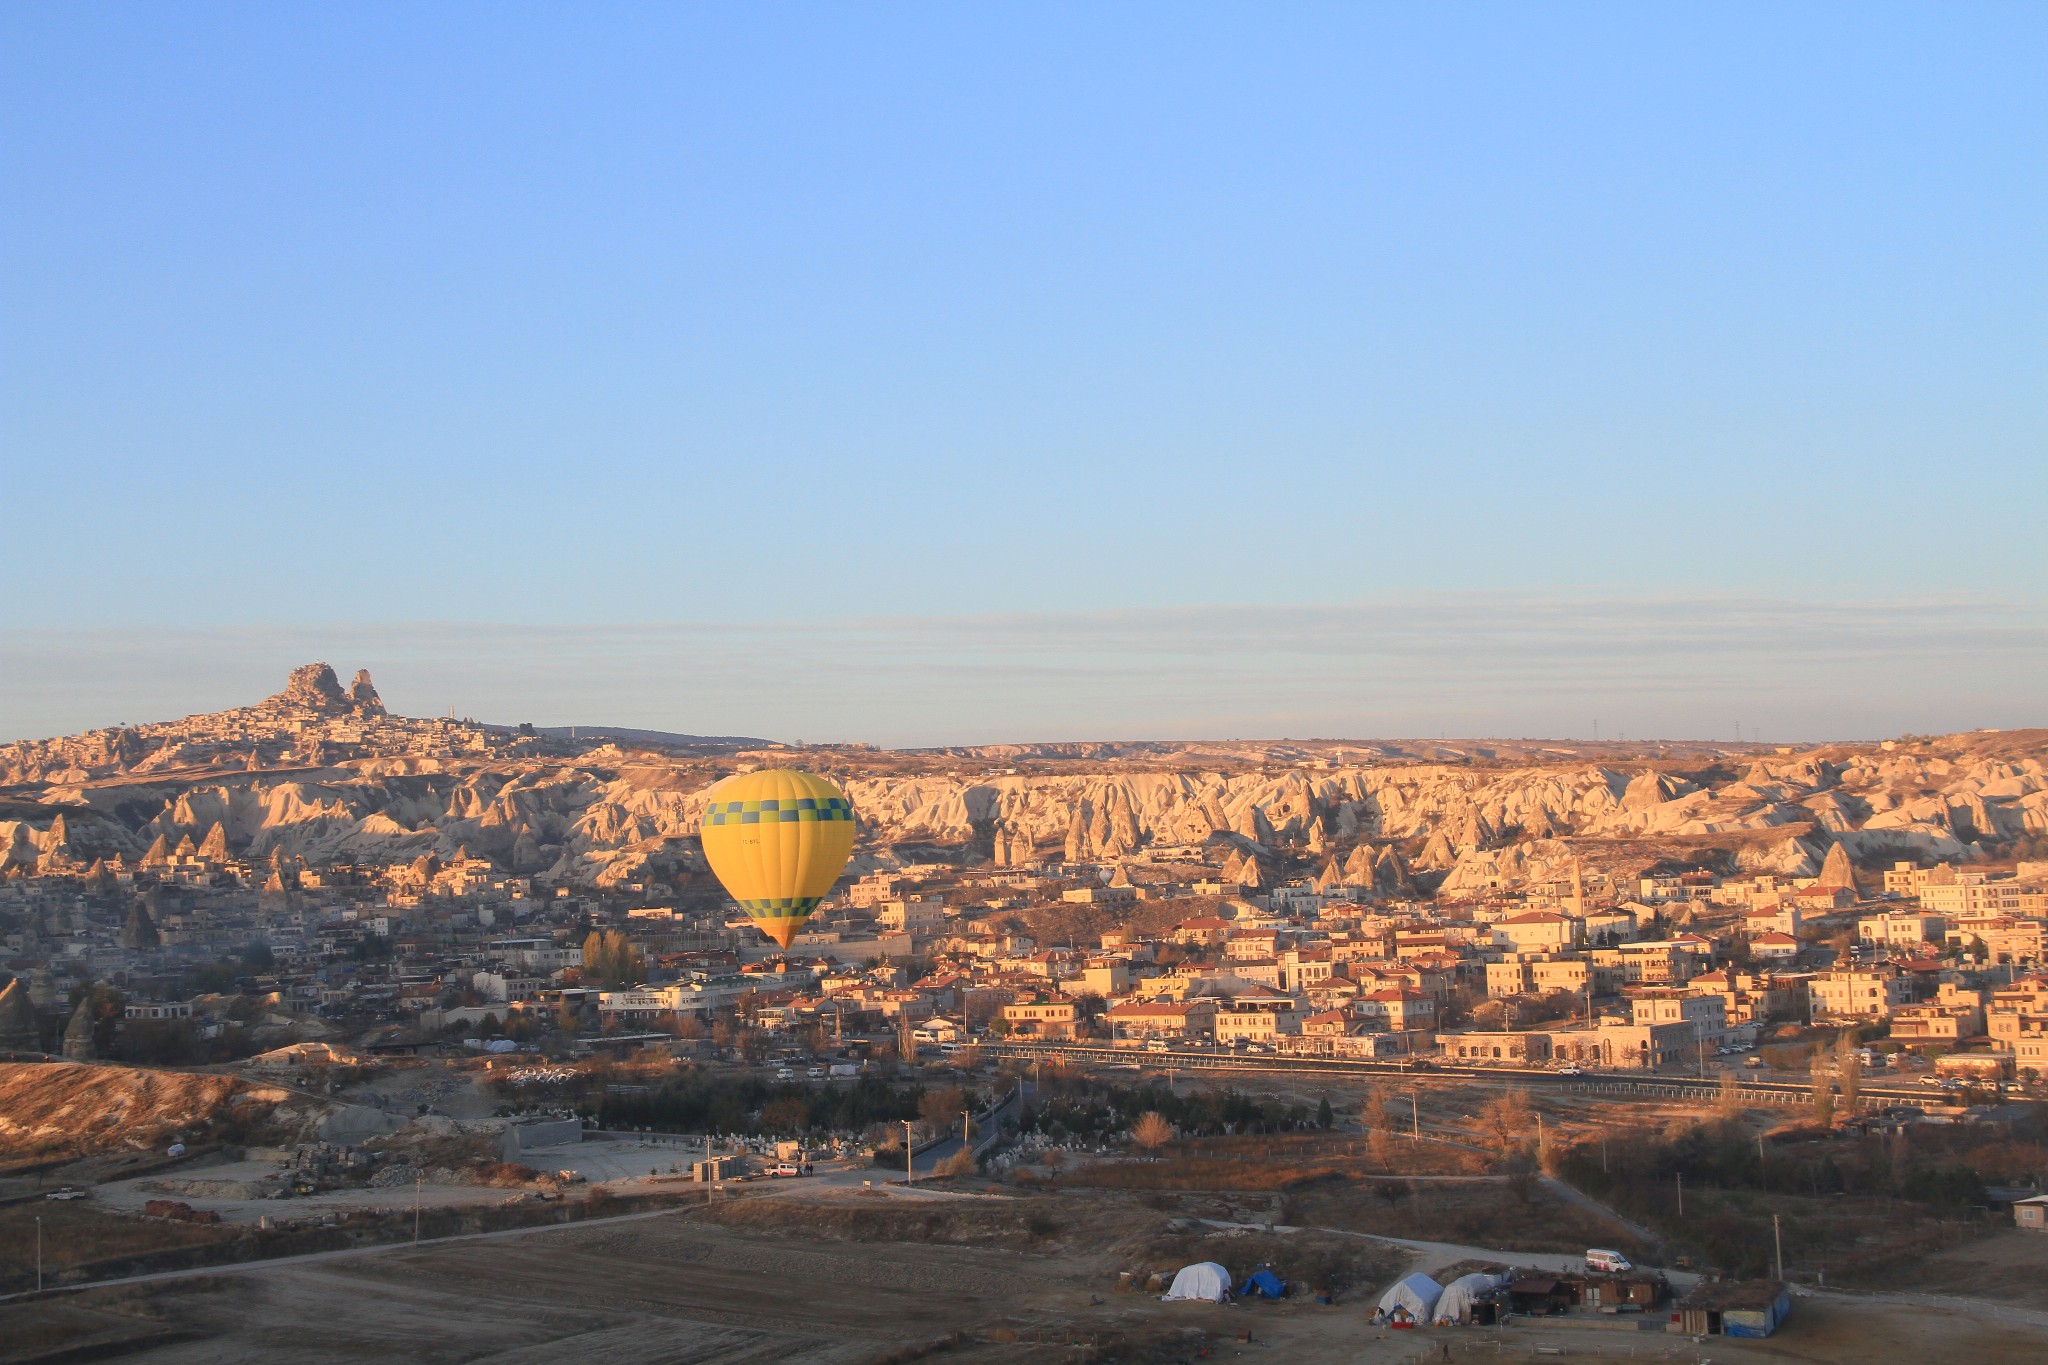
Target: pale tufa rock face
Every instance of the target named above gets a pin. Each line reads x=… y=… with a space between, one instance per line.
x=397 y=790
x=362 y=694
x=313 y=687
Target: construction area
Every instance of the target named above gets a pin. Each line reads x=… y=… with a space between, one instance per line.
x=265 y=1239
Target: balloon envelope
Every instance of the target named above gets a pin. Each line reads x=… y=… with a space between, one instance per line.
x=777 y=840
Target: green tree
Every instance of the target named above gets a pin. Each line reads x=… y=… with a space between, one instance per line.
x=1849 y=1070
x=1379 y=1127
x=1823 y=1092
x=1325 y=1116
x=787 y=1115
x=611 y=961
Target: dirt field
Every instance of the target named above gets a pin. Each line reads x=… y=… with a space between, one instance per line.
x=863 y=1278
x=2007 y=1266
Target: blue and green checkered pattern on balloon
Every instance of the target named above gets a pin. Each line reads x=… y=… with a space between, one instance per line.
x=787 y=811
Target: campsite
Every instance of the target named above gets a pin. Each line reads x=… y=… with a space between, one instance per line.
x=957 y=1275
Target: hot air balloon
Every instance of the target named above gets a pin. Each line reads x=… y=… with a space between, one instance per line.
x=777 y=840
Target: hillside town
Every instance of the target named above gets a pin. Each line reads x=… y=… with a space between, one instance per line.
x=1282 y=931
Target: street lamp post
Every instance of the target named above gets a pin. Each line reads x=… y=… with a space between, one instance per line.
x=909 y=1157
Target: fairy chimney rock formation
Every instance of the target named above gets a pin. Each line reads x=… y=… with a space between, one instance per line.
x=78 y=1033
x=18 y=1031
x=1836 y=872
x=139 y=934
x=362 y=694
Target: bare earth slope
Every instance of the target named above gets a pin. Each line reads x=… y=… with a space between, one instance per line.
x=60 y=1110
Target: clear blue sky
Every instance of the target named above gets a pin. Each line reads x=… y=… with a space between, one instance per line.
x=351 y=319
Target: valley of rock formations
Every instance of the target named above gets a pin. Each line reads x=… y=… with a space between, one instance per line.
x=320 y=774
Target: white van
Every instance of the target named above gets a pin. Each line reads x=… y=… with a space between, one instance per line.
x=1607 y=1262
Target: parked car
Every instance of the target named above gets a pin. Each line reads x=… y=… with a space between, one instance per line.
x=786 y=1168
x=66 y=1193
x=1571 y=1071
x=1931 y=1079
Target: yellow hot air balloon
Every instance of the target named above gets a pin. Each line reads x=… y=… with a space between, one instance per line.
x=777 y=840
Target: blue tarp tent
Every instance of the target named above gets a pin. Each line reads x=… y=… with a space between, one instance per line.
x=1263 y=1284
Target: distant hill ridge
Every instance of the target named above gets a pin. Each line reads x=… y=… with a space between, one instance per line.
x=320 y=773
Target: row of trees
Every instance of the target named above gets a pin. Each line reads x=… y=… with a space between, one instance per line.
x=1095 y=1111
x=704 y=1102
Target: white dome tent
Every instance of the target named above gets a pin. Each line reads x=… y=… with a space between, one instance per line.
x=1459 y=1295
x=1410 y=1301
x=1204 y=1282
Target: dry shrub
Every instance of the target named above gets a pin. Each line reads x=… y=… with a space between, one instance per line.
x=1152 y=1131
x=508 y=1174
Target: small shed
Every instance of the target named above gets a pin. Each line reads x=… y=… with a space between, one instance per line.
x=1541 y=1296
x=1620 y=1293
x=2031 y=1215
x=1734 y=1308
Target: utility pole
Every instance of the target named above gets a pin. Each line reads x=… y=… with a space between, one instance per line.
x=1681 y=1194
x=1414 y=1118
x=416 y=1177
x=1778 y=1238
x=909 y=1157
x=1539 y=1135
x=39 y=1254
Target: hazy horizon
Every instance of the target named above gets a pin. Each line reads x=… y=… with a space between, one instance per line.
x=1449 y=664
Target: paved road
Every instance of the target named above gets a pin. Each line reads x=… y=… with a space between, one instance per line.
x=927 y=1162
x=1573 y=1195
